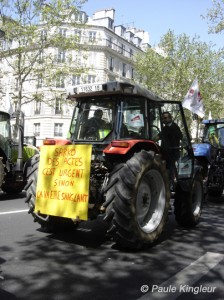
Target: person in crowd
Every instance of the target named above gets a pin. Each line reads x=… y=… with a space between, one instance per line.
x=170 y=136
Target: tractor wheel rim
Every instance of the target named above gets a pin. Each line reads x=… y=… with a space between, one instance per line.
x=150 y=201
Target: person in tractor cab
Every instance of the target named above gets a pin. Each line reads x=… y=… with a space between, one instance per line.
x=95 y=127
x=170 y=136
x=212 y=136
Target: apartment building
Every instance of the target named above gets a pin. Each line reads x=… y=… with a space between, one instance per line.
x=110 y=50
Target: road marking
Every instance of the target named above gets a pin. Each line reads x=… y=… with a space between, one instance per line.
x=188 y=276
x=13 y=212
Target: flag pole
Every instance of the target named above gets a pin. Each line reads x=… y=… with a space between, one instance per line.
x=197 y=139
x=196 y=118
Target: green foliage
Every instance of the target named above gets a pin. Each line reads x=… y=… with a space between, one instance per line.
x=170 y=70
x=215 y=17
x=32 y=32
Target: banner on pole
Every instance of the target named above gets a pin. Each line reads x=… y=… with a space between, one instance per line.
x=193 y=100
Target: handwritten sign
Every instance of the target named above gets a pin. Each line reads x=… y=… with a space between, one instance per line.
x=63 y=181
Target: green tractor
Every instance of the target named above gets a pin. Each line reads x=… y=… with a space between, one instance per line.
x=14 y=154
x=125 y=179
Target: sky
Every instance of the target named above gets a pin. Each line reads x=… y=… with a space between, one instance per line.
x=158 y=16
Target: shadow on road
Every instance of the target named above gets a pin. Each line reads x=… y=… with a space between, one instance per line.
x=215 y=199
x=3 y=294
x=89 y=234
x=6 y=296
x=83 y=263
x=5 y=196
x=93 y=234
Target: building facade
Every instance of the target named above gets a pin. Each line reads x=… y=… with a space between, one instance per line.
x=109 y=52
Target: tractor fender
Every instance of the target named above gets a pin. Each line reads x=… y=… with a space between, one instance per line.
x=122 y=147
x=186 y=184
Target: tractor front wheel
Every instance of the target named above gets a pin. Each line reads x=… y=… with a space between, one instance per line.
x=188 y=202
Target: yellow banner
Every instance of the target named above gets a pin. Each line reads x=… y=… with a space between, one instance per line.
x=63 y=181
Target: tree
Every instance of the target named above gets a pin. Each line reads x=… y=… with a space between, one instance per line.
x=170 y=70
x=215 y=17
x=33 y=30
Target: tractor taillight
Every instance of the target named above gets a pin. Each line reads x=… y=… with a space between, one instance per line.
x=120 y=144
x=49 y=142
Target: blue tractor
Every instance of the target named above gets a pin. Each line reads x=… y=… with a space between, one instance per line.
x=210 y=156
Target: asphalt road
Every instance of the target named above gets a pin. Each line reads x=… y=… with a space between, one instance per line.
x=84 y=264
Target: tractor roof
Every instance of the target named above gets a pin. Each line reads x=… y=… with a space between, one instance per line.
x=111 y=87
x=214 y=121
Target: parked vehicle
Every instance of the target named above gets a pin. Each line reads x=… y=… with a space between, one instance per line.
x=128 y=180
x=14 y=154
x=210 y=155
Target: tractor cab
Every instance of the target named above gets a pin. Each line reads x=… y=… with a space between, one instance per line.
x=122 y=118
x=115 y=112
x=214 y=132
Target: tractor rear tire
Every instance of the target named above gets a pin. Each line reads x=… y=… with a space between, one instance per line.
x=188 y=203
x=215 y=183
x=48 y=223
x=138 y=193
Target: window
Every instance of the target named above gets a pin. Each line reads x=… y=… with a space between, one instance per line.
x=85 y=126
x=92 y=36
x=7 y=44
x=61 y=56
x=91 y=78
x=60 y=81
x=62 y=31
x=4 y=132
x=78 y=16
x=122 y=31
x=40 y=81
x=16 y=84
x=43 y=35
x=133 y=117
x=131 y=52
x=77 y=35
x=37 y=107
x=36 y=129
x=41 y=57
x=76 y=79
x=132 y=73
x=122 y=49
x=58 y=129
x=123 y=70
x=111 y=63
x=110 y=23
x=58 y=106
x=109 y=42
